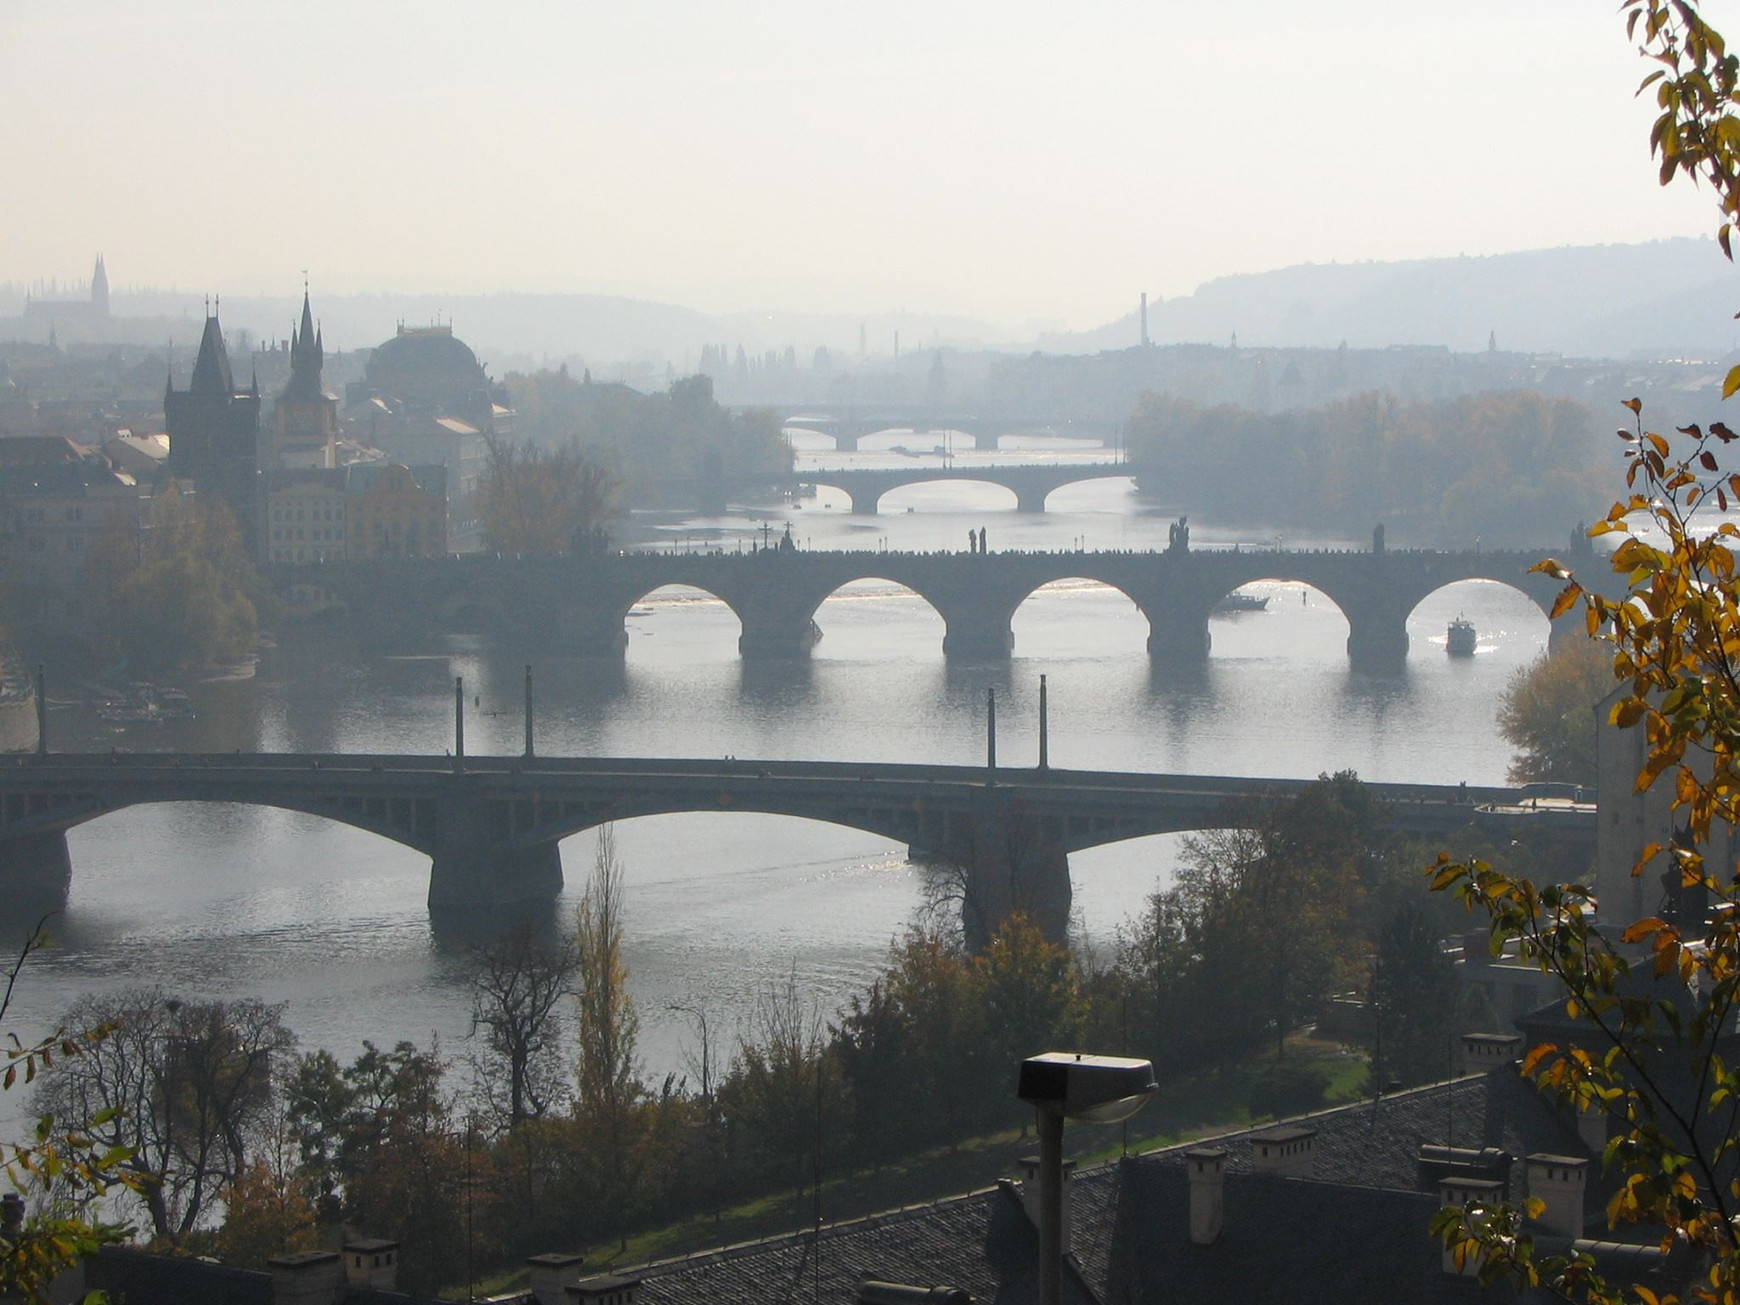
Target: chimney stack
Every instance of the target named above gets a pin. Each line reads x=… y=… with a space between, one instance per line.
x=310 y=1278
x=552 y=1275
x=1487 y=1193
x=371 y=1262
x=1484 y=1052
x=1207 y=1194
x=1558 y=1180
x=1030 y=1193
x=1289 y=1152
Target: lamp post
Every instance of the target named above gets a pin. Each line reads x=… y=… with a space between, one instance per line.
x=1069 y=1085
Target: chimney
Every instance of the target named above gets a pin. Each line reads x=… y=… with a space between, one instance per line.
x=1030 y=1193
x=1558 y=1180
x=371 y=1262
x=11 y=1213
x=1484 y=1052
x=310 y=1278
x=1207 y=1193
x=1287 y=1152
x=603 y=1289
x=552 y=1275
x=1485 y=1192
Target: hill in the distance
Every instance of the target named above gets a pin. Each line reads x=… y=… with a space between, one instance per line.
x=1668 y=298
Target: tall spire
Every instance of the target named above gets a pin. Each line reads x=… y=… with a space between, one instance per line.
x=211 y=370
x=306 y=356
x=100 y=289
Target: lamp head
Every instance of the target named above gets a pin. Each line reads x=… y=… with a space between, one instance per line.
x=1099 y=1089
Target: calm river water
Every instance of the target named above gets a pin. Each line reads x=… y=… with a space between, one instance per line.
x=230 y=901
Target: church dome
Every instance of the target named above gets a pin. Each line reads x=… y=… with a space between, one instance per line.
x=426 y=365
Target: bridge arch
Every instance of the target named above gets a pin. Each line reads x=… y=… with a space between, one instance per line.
x=1080 y=615
x=1077 y=487
x=1498 y=607
x=902 y=616
x=922 y=493
x=682 y=616
x=1294 y=614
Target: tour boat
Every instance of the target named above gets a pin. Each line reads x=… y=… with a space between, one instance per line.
x=1461 y=638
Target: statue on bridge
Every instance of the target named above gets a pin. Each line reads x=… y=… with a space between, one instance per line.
x=1178 y=536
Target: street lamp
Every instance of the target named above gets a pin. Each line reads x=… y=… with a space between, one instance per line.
x=1069 y=1085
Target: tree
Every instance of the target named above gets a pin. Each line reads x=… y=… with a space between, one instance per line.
x=544 y=501
x=186 y=1088
x=265 y=1214
x=517 y=989
x=1653 y=1007
x=1548 y=713
x=56 y=1175
x=608 y=1072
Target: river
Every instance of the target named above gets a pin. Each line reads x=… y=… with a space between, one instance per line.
x=229 y=901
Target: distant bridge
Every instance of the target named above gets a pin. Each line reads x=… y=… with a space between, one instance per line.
x=582 y=603
x=1032 y=484
x=849 y=424
x=492 y=825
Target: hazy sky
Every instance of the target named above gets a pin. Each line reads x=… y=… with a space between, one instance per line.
x=1013 y=161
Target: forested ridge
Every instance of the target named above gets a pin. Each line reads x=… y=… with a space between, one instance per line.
x=1513 y=468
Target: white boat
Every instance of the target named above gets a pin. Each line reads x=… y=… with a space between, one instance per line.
x=1461 y=638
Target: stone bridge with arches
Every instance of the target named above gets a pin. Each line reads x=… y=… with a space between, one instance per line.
x=1032 y=485
x=581 y=603
x=849 y=426
x=492 y=826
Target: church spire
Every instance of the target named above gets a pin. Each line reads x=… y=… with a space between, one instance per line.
x=306 y=356
x=211 y=370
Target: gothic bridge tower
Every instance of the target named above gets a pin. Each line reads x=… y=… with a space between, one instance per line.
x=214 y=433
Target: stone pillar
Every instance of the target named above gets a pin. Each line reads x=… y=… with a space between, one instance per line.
x=1178 y=636
x=978 y=641
x=1377 y=643
x=1008 y=865
x=476 y=864
x=35 y=863
x=1032 y=500
x=766 y=639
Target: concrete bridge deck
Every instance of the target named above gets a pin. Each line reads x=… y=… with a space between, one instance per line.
x=492 y=825
x=1031 y=484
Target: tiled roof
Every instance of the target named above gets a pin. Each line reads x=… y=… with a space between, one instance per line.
x=1354 y=1230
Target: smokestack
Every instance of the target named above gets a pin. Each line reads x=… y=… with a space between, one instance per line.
x=1144 y=319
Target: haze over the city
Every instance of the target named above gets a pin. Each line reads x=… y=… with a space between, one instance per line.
x=1022 y=164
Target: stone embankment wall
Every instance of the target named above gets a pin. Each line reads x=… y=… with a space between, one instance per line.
x=17 y=708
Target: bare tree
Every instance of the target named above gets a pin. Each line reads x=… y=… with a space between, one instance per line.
x=189 y=1087
x=517 y=991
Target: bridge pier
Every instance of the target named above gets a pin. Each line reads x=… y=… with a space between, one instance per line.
x=1031 y=500
x=986 y=443
x=475 y=864
x=35 y=867
x=865 y=502
x=977 y=641
x=1178 y=636
x=1377 y=645
x=1008 y=863
x=777 y=640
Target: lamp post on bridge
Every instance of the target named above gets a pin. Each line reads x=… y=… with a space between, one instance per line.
x=528 y=710
x=41 y=711
x=990 y=736
x=458 y=722
x=1044 y=758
